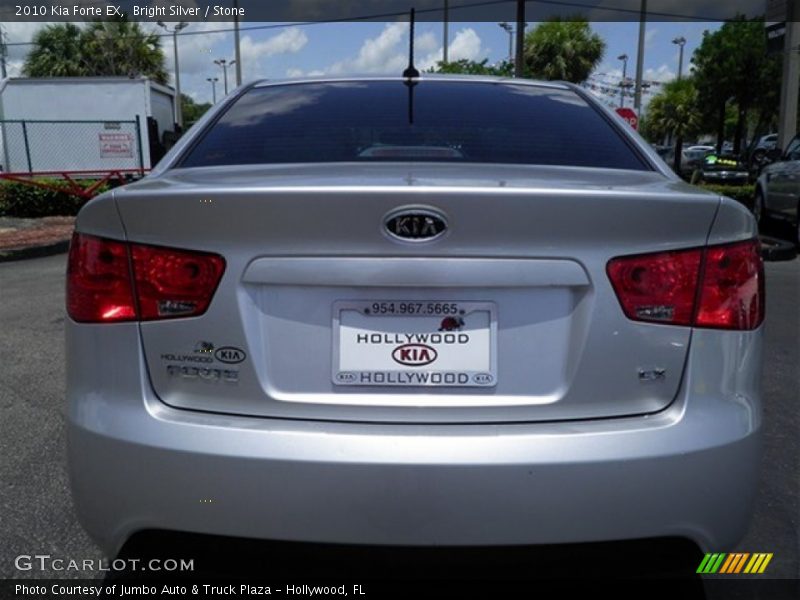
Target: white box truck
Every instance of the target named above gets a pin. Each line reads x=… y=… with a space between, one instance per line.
x=81 y=124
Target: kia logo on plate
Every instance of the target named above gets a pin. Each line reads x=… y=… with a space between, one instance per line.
x=415 y=225
x=414 y=355
x=230 y=355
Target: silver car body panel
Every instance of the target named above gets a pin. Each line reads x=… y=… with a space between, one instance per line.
x=552 y=229
x=569 y=446
x=688 y=471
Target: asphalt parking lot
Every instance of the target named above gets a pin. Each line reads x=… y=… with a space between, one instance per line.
x=36 y=515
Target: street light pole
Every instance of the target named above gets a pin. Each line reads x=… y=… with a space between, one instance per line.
x=213 y=81
x=519 y=66
x=175 y=30
x=224 y=64
x=637 y=93
x=624 y=59
x=3 y=52
x=510 y=31
x=680 y=41
x=237 y=50
x=446 y=32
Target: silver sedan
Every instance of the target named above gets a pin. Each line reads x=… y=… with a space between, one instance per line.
x=777 y=193
x=445 y=311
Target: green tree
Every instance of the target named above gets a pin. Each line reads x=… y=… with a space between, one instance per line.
x=102 y=48
x=121 y=47
x=563 y=50
x=191 y=110
x=732 y=67
x=57 y=52
x=674 y=111
x=471 y=67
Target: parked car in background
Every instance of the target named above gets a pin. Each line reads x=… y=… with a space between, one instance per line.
x=777 y=193
x=721 y=169
x=768 y=142
x=700 y=148
x=760 y=156
x=687 y=166
x=414 y=311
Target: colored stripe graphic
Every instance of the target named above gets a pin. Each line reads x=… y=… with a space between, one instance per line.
x=711 y=563
x=758 y=563
x=734 y=563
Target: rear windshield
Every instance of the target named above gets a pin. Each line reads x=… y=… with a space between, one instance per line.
x=450 y=121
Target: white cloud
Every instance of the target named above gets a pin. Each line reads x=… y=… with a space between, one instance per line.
x=388 y=52
x=21 y=32
x=197 y=48
x=662 y=74
x=426 y=42
x=376 y=55
x=288 y=41
x=466 y=44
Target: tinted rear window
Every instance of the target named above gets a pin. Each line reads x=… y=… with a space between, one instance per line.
x=448 y=121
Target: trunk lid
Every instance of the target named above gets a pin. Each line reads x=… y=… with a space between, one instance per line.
x=528 y=246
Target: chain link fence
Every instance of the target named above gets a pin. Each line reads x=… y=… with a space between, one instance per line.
x=36 y=146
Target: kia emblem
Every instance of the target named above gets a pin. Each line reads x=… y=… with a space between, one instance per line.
x=416 y=225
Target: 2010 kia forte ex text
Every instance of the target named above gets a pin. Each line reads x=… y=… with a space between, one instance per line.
x=411 y=311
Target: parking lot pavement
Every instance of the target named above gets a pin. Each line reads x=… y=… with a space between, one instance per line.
x=36 y=514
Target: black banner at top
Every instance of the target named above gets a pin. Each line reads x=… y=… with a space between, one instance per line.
x=283 y=11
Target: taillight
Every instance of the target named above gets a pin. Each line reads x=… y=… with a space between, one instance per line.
x=99 y=285
x=165 y=283
x=732 y=291
x=174 y=283
x=718 y=286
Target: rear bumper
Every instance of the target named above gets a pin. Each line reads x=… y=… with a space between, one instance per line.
x=689 y=471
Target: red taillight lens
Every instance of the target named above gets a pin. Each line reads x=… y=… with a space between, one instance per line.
x=732 y=292
x=168 y=283
x=719 y=286
x=99 y=281
x=657 y=287
x=174 y=283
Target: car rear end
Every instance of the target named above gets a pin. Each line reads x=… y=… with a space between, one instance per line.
x=364 y=311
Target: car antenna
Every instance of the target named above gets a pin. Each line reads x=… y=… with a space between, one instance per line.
x=411 y=73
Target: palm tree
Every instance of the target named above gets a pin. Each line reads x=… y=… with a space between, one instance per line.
x=675 y=111
x=121 y=47
x=57 y=52
x=563 y=50
x=103 y=48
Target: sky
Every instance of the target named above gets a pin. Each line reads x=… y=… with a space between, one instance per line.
x=275 y=51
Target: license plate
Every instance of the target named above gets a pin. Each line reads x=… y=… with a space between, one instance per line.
x=414 y=343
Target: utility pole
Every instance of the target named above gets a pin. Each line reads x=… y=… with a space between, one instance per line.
x=213 y=81
x=624 y=59
x=637 y=94
x=175 y=30
x=510 y=31
x=680 y=41
x=3 y=53
x=224 y=64
x=787 y=120
x=237 y=49
x=519 y=66
x=446 y=31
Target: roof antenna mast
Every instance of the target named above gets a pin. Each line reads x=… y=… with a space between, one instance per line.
x=411 y=71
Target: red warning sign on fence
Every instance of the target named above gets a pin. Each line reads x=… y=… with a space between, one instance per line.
x=116 y=145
